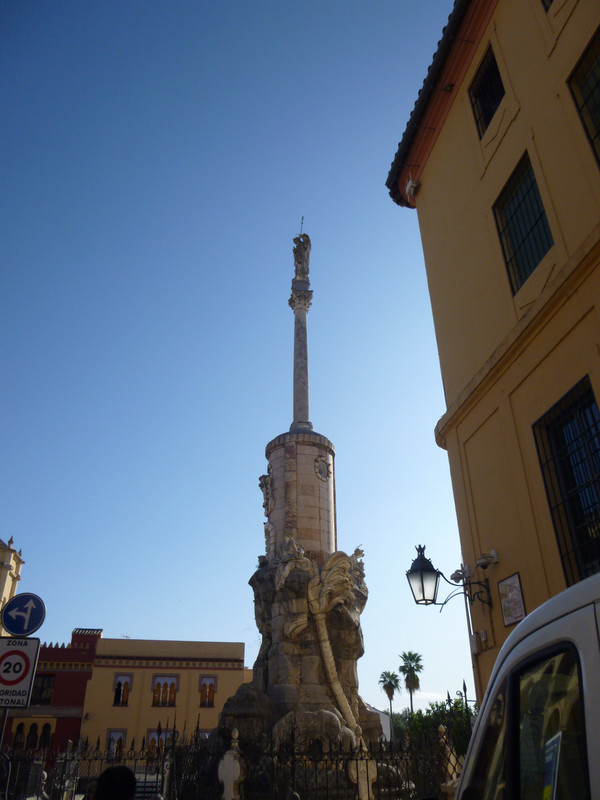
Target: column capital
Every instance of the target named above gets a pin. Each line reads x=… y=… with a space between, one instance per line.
x=300 y=300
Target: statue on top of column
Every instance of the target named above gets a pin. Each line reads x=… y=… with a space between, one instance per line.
x=302 y=256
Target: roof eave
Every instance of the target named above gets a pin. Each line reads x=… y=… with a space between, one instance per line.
x=423 y=98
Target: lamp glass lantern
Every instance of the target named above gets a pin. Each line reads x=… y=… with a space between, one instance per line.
x=423 y=579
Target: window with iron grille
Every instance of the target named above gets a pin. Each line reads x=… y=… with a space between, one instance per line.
x=585 y=87
x=486 y=91
x=568 y=444
x=522 y=224
x=41 y=693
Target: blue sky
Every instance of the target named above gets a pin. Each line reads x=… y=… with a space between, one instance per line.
x=157 y=160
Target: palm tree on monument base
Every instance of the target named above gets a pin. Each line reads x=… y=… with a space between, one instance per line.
x=410 y=667
x=390 y=683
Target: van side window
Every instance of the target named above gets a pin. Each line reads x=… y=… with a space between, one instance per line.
x=488 y=781
x=552 y=748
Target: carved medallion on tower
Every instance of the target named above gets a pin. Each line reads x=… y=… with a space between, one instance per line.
x=322 y=468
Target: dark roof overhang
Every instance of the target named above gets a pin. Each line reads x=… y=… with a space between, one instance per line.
x=429 y=85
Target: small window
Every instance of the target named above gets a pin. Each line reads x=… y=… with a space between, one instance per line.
x=164 y=690
x=157 y=740
x=45 y=736
x=585 y=87
x=486 y=91
x=115 y=742
x=552 y=745
x=19 y=739
x=31 y=742
x=121 y=688
x=568 y=445
x=522 y=224
x=208 y=687
x=41 y=694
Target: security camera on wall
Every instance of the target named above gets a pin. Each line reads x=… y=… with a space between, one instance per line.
x=412 y=187
x=486 y=559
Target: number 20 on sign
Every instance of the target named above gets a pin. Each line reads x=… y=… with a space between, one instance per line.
x=14 y=666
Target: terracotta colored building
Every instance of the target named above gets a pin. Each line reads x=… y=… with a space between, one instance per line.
x=53 y=718
x=501 y=160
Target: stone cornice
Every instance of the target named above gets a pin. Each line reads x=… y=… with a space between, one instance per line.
x=308 y=437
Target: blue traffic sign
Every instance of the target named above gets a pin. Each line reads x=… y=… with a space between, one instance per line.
x=23 y=614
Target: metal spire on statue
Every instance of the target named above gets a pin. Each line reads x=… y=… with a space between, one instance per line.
x=300 y=303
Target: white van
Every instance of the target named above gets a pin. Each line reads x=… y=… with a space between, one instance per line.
x=537 y=736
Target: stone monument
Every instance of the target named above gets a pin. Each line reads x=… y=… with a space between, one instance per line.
x=308 y=596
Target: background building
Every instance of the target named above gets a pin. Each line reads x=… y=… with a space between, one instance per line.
x=53 y=717
x=10 y=573
x=501 y=158
x=124 y=693
x=140 y=690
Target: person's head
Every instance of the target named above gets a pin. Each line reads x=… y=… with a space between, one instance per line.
x=116 y=783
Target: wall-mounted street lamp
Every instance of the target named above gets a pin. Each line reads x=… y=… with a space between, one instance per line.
x=424 y=580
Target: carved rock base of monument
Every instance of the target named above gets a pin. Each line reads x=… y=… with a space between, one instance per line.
x=305 y=676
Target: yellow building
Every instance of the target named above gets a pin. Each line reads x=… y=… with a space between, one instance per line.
x=501 y=159
x=142 y=688
x=10 y=574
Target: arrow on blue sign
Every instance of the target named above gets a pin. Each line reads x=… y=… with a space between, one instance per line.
x=23 y=614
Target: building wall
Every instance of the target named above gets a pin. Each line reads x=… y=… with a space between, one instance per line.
x=10 y=574
x=507 y=358
x=81 y=698
x=463 y=177
x=66 y=670
x=186 y=665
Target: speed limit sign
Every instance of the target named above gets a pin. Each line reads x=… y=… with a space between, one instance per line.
x=18 y=660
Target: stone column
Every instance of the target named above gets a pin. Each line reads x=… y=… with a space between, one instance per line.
x=300 y=303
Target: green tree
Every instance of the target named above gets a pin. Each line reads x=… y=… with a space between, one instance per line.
x=410 y=667
x=390 y=683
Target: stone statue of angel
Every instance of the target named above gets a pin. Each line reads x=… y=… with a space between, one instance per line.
x=302 y=256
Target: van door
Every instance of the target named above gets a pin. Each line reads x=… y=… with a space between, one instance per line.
x=540 y=718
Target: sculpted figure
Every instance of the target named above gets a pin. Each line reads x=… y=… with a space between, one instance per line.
x=265 y=485
x=302 y=256
x=292 y=557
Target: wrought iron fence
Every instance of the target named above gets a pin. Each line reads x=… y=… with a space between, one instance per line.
x=48 y=775
x=416 y=766
x=403 y=770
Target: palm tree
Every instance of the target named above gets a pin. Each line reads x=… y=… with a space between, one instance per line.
x=410 y=667
x=390 y=683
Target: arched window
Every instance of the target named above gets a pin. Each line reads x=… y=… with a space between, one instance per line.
x=208 y=687
x=32 y=737
x=45 y=736
x=122 y=684
x=164 y=690
x=19 y=739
